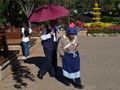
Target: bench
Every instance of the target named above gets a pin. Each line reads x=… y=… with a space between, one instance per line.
x=13 y=35
x=3 y=43
x=8 y=62
x=15 y=44
x=8 y=59
x=18 y=41
x=36 y=31
x=14 y=38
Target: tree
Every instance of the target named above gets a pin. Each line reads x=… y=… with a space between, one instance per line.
x=27 y=6
x=3 y=5
x=69 y=4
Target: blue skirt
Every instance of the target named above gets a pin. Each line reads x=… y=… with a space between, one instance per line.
x=71 y=65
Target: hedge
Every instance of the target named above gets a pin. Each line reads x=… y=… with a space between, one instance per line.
x=103 y=31
x=110 y=19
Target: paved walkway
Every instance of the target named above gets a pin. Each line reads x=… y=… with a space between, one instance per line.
x=100 y=64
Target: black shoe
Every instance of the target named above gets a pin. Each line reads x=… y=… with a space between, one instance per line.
x=79 y=86
x=40 y=76
x=52 y=75
x=64 y=81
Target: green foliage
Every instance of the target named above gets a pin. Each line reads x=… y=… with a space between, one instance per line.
x=45 y=22
x=103 y=31
x=3 y=20
x=10 y=10
x=110 y=19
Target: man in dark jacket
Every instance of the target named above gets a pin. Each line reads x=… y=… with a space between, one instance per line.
x=49 y=42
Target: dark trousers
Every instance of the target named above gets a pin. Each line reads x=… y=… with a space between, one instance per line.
x=50 y=62
x=78 y=81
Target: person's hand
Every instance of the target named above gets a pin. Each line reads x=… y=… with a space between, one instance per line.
x=24 y=36
x=61 y=56
x=51 y=33
x=67 y=49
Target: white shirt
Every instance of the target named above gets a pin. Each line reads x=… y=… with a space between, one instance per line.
x=25 y=39
x=45 y=36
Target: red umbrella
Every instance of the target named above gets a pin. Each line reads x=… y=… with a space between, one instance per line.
x=47 y=12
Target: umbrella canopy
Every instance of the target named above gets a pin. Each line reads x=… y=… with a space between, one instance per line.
x=47 y=12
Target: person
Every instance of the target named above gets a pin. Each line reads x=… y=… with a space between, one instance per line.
x=79 y=25
x=68 y=50
x=49 y=42
x=58 y=26
x=71 y=24
x=25 y=32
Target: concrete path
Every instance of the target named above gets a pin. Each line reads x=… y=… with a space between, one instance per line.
x=100 y=64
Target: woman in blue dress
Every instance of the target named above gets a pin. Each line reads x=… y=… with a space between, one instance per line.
x=68 y=50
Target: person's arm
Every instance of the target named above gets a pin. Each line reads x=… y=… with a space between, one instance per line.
x=22 y=31
x=30 y=30
x=77 y=43
x=45 y=36
x=60 y=48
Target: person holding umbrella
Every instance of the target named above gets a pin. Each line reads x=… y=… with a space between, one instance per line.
x=68 y=50
x=48 y=37
x=49 y=42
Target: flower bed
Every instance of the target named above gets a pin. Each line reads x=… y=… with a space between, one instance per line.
x=108 y=31
x=98 y=24
x=113 y=27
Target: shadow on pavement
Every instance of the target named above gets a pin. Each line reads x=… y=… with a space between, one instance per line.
x=20 y=74
x=23 y=72
x=62 y=79
x=39 y=61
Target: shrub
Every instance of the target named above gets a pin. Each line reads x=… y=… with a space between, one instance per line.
x=110 y=19
x=103 y=31
x=98 y=24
